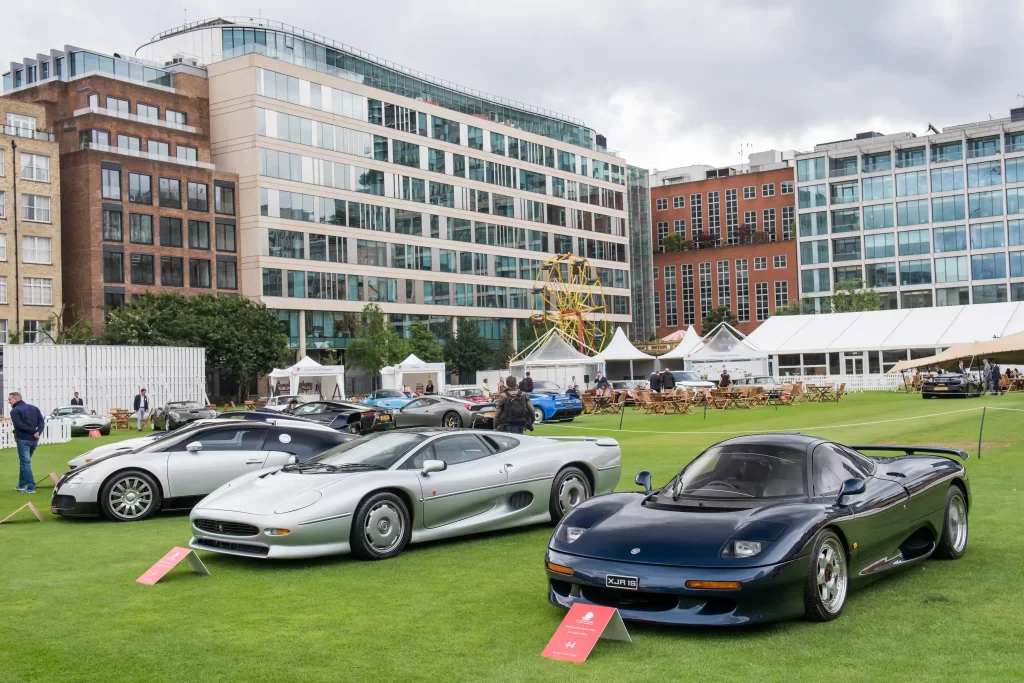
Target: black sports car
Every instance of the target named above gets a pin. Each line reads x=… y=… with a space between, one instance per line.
x=947 y=384
x=761 y=528
x=177 y=413
x=352 y=417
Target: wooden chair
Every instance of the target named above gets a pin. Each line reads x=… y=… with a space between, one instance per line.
x=657 y=404
x=619 y=404
x=120 y=418
x=840 y=392
x=588 y=404
x=715 y=399
x=786 y=397
x=249 y=405
x=681 y=402
x=233 y=406
x=643 y=400
x=798 y=394
x=147 y=420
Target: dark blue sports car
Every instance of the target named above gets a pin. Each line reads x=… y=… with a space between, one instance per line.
x=761 y=528
x=551 y=403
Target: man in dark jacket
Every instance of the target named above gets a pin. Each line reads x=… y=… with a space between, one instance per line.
x=527 y=384
x=668 y=382
x=995 y=377
x=76 y=401
x=655 y=381
x=512 y=411
x=141 y=406
x=28 y=425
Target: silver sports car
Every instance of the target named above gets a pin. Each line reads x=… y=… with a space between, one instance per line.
x=375 y=495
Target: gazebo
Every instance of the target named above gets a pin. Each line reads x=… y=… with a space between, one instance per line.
x=413 y=373
x=727 y=347
x=329 y=377
x=551 y=358
x=689 y=342
x=619 y=351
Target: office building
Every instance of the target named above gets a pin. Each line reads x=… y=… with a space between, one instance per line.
x=733 y=241
x=361 y=181
x=640 y=253
x=30 y=223
x=145 y=209
x=935 y=220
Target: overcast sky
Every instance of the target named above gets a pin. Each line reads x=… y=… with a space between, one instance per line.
x=670 y=83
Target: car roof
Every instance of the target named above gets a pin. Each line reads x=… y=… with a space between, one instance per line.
x=790 y=439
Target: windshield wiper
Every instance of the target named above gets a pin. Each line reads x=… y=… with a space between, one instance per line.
x=328 y=467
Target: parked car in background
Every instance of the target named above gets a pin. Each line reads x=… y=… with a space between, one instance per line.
x=470 y=393
x=279 y=403
x=177 y=413
x=625 y=386
x=82 y=420
x=444 y=411
x=951 y=384
x=388 y=398
x=688 y=379
x=763 y=381
x=176 y=472
x=354 y=418
x=551 y=403
x=543 y=386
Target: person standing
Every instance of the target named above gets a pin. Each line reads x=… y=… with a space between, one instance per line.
x=600 y=382
x=725 y=380
x=430 y=386
x=512 y=411
x=994 y=378
x=960 y=369
x=76 y=401
x=28 y=425
x=668 y=382
x=986 y=377
x=655 y=382
x=486 y=388
x=141 y=406
x=526 y=385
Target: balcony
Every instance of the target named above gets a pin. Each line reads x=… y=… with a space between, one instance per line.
x=877 y=167
x=911 y=162
x=145 y=155
x=745 y=235
x=30 y=133
x=135 y=117
x=1014 y=147
x=842 y=171
x=944 y=157
x=983 y=152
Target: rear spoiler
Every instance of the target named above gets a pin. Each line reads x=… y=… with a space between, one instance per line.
x=599 y=440
x=916 y=450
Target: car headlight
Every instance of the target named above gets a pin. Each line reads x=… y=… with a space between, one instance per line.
x=66 y=479
x=569 y=533
x=746 y=548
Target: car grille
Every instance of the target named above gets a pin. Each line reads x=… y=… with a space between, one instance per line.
x=247 y=548
x=62 y=502
x=226 y=528
x=636 y=600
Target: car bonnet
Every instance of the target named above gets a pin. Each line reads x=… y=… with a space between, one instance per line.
x=260 y=493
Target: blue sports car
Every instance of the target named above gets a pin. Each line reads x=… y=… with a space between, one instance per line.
x=761 y=528
x=551 y=403
x=387 y=398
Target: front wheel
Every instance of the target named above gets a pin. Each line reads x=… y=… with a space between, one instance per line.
x=381 y=527
x=953 y=541
x=825 y=590
x=570 y=488
x=130 y=496
x=452 y=421
x=538 y=415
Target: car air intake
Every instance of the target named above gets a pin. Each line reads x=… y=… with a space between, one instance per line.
x=241 y=548
x=520 y=499
x=226 y=528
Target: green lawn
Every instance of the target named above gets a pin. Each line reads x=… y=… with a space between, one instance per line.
x=476 y=609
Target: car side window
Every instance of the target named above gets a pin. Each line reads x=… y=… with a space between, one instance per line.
x=416 y=462
x=243 y=439
x=418 y=403
x=455 y=450
x=300 y=443
x=830 y=467
x=500 y=442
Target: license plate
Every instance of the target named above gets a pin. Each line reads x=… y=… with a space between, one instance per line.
x=630 y=583
x=941 y=388
x=385 y=418
x=490 y=414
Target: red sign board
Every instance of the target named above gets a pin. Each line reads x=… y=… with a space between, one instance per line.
x=582 y=627
x=94 y=433
x=169 y=562
x=28 y=505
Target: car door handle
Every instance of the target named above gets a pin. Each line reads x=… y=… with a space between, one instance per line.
x=254 y=462
x=508 y=464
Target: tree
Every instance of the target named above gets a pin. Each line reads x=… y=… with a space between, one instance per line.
x=672 y=242
x=376 y=344
x=852 y=295
x=423 y=344
x=241 y=337
x=58 y=330
x=467 y=352
x=722 y=314
x=506 y=349
x=794 y=307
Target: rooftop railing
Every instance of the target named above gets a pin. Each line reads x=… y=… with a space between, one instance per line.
x=135 y=117
x=124 y=151
x=31 y=133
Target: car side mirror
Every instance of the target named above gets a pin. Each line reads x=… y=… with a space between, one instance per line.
x=194 y=447
x=643 y=478
x=434 y=466
x=292 y=460
x=850 y=487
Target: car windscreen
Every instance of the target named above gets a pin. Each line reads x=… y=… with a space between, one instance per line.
x=382 y=449
x=75 y=410
x=185 y=405
x=743 y=472
x=686 y=376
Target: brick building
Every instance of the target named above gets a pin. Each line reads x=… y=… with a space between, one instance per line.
x=735 y=244
x=30 y=222
x=144 y=208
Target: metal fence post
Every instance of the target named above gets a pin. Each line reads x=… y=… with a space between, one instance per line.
x=981 y=429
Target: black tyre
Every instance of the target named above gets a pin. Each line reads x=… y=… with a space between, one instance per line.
x=953 y=542
x=538 y=415
x=130 y=496
x=381 y=527
x=570 y=488
x=452 y=420
x=827 y=578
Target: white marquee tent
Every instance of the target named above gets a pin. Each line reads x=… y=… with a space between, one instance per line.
x=621 y=350
x=689 y=342
x=413 y=373
x=551 y=358
x=326 y=380
x=726 y=347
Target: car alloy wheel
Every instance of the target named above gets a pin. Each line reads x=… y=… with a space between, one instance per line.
x=571 y=493
x=957 y=521
x=831 y=576
x=452 y=420
x=384 y=528
x=538 y=415
x=131 y=497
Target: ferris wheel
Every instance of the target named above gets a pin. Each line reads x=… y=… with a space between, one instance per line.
x=569 y=297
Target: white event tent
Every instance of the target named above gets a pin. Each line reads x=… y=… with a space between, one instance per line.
x=327 y=380
x=688 y=343
x=726 y=347
x=870 y=342
x=551 y=358
x=413 y=373
x=621 y=350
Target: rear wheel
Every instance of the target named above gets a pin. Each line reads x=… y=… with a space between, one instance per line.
x=953 y=541
x=825 y=590
x=381 y=527
x=452 y=420
x=570 y=488
x=538 y=415
x=130 y=496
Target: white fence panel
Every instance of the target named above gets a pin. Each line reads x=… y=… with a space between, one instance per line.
x=56 y=431
x=869 y=382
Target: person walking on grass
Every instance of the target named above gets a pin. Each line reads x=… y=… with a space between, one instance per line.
x=28 y=425
x=512 y=411
x=527 y=383
x=994 y=379
x=654 y=383
x=141 y=406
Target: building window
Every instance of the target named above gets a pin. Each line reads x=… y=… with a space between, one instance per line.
x=879 y=246
x=951 y=269
x=788 y=222
x=147 y=112
x=987 y=235
x=781 y=294
x=38 y=291
x=749 y=192
x=3 y=300
x=724 y=293
x=916 y=272
x=989 y=294
x=811 y=196
x=227 y=277
x=760 y=263
x=35 y=208
x=113 y=266
x=3 y=205
x=988 y=267
x=679 y=227
x=226 y=237
x=140 y=228
x=750 y=220
x=914 y=242
x=158 y=149
x=761 y=300
x=198 y=235
x=679 y=201
x=661 y=204
x=662 y=232
x=199 y=273
x=769 y=224
x=197 y=199
x=129 y=142
x=36 y=250
x=112 y=229
x=1 y=163
x=768 y=190
x=787 y=186
x=142 y=269
x=779 y=261
x=35 y=167
x=31 y=331
x=881 y=275
x=731 y=217
x=696 y=214
x=111 y=184
x=140 y=188
x=172 y=271
x=686 y=274
x=657 y=309
x=113 y=299
x=224 y=200
x=742 y=291
x=170 y=193
x=170 y=231
x=186 y=153
x=704 y=271
x=176 y=117
x=985 y=204
x=671 y=309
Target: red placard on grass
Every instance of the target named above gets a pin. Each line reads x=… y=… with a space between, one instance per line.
x=582 y=627
x=169 y=562
x=94 y=433
x=28 y=505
